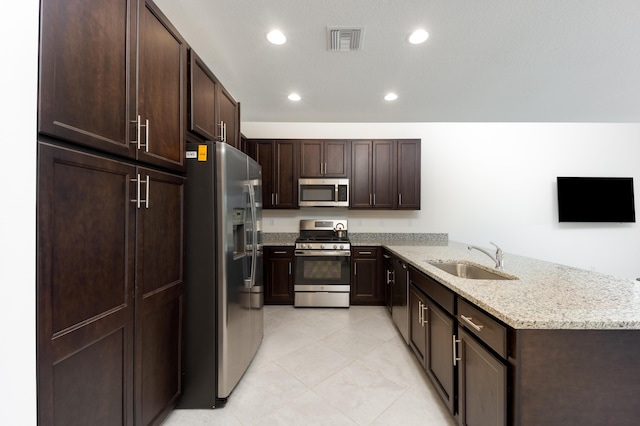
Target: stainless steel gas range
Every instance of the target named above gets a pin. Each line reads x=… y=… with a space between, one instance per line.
x=322 y=264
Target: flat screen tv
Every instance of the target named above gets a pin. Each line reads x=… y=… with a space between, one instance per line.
x=596 y=199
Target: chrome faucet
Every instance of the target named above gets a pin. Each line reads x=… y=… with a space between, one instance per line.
x=498 y=259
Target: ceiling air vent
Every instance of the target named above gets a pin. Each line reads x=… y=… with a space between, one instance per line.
x=345 y=39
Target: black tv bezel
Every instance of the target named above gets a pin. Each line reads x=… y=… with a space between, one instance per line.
x=587 y=215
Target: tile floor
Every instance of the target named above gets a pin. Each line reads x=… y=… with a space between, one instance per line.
x=328 y=367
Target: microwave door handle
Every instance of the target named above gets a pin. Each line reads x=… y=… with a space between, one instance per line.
x=335 y=197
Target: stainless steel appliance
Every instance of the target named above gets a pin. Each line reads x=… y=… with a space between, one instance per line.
x=223 y=316
x=322 y=264
x=318 y=192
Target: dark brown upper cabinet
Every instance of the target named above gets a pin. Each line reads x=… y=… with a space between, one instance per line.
x=408 y=174
x=114 y=80
x=325 y=158
x=279 y=161
x=213 y=113
x=372 y=174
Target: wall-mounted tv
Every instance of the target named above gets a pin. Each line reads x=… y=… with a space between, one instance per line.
x=596 y=199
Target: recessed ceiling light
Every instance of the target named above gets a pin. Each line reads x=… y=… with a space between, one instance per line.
x=418 y=36
x=390 y=97
x=294 y=97
x=276 y=37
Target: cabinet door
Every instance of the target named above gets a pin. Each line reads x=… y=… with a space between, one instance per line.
x=361 y=173
x=87 y=55
x=481 y=384
x=336 y=159
x=159 y=295
x=311 y=158
x=85 y=288
x=439 y=352
x=263 y=152
x=228 y=120
x=408 y=174
x=383 y=174
x=203 y=89
x=365 y=285
x=286 y=174
x=279 y=276
x=161 y=90
x=417 y=329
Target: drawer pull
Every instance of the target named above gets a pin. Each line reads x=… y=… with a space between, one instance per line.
x=279 y=252
x=469 y=321
x=364 y=252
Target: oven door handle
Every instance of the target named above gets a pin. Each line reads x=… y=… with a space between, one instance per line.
x=323 y=253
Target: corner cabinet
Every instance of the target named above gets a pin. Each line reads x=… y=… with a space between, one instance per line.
x=278 y=275
x=385 y=174
x=366 y=267
x=120 y=87
x=279 y=161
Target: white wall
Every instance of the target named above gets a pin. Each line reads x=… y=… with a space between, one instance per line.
x=18 y=85
x=486 y=182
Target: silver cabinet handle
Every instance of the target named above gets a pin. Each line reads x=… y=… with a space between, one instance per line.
x=364 y=252
x=425 y=312
x=399 y=199
x=223 y=131
x=276 y=199
x=279 y=252
x=138 y=200
x=469 y=321
x=370 y=198
x=374 y=199
x=421 y=310
x=455 y=351
x=138 y=141
x=272 y=203
x=355 y=269
x=390 y=277
x=289 y=267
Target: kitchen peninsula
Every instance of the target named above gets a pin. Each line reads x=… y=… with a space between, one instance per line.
x=566 y=339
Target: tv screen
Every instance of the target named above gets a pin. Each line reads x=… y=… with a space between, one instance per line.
x=596 y=199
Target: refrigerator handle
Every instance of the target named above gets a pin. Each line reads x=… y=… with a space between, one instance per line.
x=254 y=231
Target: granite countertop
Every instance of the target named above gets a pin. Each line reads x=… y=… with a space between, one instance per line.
x=545 y=295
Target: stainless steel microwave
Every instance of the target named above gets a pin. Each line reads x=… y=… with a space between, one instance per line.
x=318 y=192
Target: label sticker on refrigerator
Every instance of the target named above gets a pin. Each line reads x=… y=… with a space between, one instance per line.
x=202 y=153
x=192 y=154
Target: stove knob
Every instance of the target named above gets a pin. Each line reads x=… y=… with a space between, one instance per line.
x=341 y=246
x=308 y=246
x=335 y=246
x=322 y=246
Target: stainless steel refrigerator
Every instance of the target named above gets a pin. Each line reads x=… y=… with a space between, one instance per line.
x=223 y=314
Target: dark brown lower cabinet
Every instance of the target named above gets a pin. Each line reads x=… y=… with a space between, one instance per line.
x=431 y=336
x=482 y=384
x=366 y=267
x=109 y=289
x=278 y=275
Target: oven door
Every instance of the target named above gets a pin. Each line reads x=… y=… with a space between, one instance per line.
x=329 y=271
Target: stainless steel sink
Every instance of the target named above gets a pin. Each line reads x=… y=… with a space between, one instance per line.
x=469 y=271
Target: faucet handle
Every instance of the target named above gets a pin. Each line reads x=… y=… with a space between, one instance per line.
x=499 y=260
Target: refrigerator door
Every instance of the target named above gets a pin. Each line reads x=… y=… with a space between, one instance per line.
x=234 y=313
x=257 y=292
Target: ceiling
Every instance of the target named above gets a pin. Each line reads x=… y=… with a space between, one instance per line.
x=485 y=60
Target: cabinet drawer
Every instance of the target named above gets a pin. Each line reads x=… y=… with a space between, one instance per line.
x=280 y=251
x=365 y=252
x=483 y=326
x=436 y=291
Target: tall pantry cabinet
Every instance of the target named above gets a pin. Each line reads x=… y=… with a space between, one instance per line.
x=109 y=212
